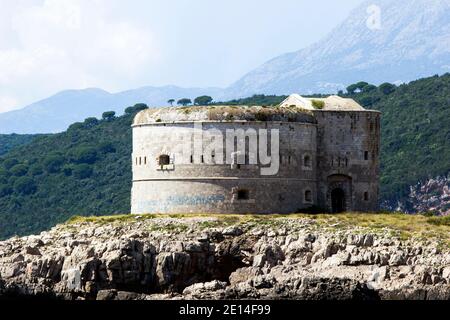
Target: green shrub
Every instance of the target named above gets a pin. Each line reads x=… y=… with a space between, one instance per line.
x=318 y=104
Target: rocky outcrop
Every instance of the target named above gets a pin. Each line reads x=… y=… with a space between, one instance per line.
x=431 y=195
x=204 y=258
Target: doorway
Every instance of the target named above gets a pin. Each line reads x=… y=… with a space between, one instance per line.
x=338 y=200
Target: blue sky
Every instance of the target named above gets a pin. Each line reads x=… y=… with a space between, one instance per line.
x=50 y=45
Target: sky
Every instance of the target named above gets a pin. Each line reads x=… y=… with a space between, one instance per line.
x=47 y=46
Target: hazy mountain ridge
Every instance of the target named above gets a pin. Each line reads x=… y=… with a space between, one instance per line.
x=414 y=41
x=57 y=112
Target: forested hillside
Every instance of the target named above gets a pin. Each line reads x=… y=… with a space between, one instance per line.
x=10 y=141
x=87 y=169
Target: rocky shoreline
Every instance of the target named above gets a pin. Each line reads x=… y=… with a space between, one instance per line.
x=152 y=258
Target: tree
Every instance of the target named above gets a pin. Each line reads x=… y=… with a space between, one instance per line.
x=387 y=88
x=203 y=100
x=108 y=115
x=369 y=88
x=136 y=108
x=25 y=186
x=357 y=86
x=9 y=163
x=19 y=170
x=53 y=163
x=184 y=102
x=82 y=171
x=85 y=155
x=171 y=102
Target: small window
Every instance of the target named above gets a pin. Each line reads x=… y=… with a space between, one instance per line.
x=243 y=195
x=192 y=159
x=366 y=155
x=366 y=196
x=164 y=160
x=308 y=196
x=203 y=159
x=307 y=162
x=140 y=160
x=145 y=160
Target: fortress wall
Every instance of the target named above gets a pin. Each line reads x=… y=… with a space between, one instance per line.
x=349 y=146
x=212 y=188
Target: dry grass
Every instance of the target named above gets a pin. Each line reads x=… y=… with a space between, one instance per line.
x=402 y=225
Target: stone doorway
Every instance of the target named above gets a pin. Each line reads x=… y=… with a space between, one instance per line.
x=339 y=193
x=338 y=203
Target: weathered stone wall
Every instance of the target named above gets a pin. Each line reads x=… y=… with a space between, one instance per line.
x=348 y=158
x=185 y=187
x=342 y=150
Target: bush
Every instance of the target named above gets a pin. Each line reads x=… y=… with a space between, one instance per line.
x=25 y=186
x=82 y=171
x=318 y=104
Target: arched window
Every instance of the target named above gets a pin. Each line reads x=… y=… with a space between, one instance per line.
x=308 y=196
x=164 y=160
x=307 y=161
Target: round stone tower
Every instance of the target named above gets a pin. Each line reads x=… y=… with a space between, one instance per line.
x=226 y=159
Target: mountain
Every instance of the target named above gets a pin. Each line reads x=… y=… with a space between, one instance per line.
x=86 y=170
x=413 y=41
x=57 y=112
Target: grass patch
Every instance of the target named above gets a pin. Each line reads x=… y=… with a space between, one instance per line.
x=402 y=225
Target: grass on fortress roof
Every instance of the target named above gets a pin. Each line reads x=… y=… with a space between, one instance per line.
x=401 y=225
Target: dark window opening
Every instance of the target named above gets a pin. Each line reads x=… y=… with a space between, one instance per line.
x=164 y=160
x=366 y=155
x=192 y=159
x=243 y=195
x=307 y=161
x=140 y=160
x=366 y=196
x=308 y=196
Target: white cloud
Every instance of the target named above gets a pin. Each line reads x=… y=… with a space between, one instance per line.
x=54 y=45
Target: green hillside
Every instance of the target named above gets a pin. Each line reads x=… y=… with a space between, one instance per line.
x=87 y=170
x=10 y=141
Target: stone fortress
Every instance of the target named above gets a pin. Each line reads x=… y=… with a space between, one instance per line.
x=328 y=159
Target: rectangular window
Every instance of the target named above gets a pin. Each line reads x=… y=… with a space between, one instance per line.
x=366 y=155
x=243 y=195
